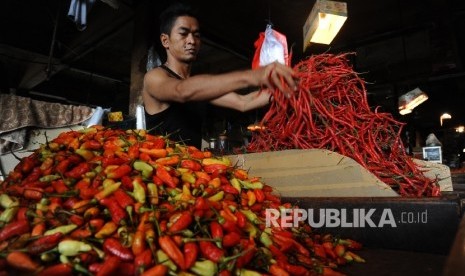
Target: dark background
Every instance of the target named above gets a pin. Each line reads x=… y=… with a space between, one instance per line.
x=399 y=45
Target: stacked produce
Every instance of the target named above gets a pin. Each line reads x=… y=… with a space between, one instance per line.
x=112 y=202
x=330 y=111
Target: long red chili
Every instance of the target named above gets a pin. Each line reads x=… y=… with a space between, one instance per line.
x=44 y=243
x=113 y=246
x=183 y=220
x=14 y=228
x=109 y=266
x=210 y=251
x=191 y=251
x=172 y=250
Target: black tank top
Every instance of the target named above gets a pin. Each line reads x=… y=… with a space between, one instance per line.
x=181 y=121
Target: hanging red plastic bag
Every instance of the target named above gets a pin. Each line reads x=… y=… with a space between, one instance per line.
x=270 y=46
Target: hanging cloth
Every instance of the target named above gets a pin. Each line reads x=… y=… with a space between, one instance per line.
x=78 y=11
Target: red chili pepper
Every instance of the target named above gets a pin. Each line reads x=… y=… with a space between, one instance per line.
x=119 y=172
x=154 y=153
x=33 y=175
x=78 y=220
x=91 y=145
x=44 y=243
x=276 y=270
x=250 y=249
x=296 y=269
x=182 y=221
x=197 y=154
x=33 y=193
x=210 y=251
x=229 y=189
x=109 y=267
x=81 y=233
x=191 y=164
x=133 y=151
x=123 y=199
x=172 y=250
x=143 y=261
x=22 y=213
x=117 y=213
x=191 y=251
x=201 y=204
x=231 y=239
x=112 y=160
x=113 y=246
x=15 y=228
x=224 y=272
x=164 y=175
x=230 y=226
x=59 y=186
x=259 y=194
x=78 y=170
x=157 y=270
x=172 y=160
x=56 y=270
x=216 y=230
x=241 y=219
x=138 y=242
x=215 y=168
x=351 y=244
x=126 y=268
x=22 y=261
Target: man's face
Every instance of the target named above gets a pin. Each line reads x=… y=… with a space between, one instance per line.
x=183 y=43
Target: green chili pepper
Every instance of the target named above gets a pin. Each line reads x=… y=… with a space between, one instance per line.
x=251 y=185
x=49 y=178
x=153 y=193
x=142 y=166
x=5 y=201
x=64 y=229
x=236 y=184
x=247 y=272
x=162 y=258
x=251 y=216
x=217 y=197
x=265 y=239
x=72 y=247
x=205 y=268
x=138 y=192
x=10 y=212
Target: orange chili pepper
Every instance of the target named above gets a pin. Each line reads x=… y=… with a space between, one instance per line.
x=172 y=250
x=138 y=242
x=164 y=175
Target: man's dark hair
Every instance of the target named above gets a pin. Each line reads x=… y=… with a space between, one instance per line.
x=169 y=16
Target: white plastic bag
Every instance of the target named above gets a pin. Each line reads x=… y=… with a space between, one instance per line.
x=271 y=46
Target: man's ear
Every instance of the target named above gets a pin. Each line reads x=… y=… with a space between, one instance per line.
x=164 y=38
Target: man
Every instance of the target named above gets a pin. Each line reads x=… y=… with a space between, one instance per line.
x=174 y=100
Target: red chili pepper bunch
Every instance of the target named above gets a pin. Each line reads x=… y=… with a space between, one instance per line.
x=104 y=202
x=330 y=111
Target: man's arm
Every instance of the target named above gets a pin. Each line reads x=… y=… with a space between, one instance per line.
x=208 y=87
x=245 y=102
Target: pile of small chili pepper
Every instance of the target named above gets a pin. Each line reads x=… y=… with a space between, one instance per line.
x=330 y=111
x=123 y=202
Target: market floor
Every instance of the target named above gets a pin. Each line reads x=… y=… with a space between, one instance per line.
x=383 y=262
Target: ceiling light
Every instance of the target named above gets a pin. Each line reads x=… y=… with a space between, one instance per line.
x=460 y=129
x=444 y=116
x=324 y=22
x=410 y=100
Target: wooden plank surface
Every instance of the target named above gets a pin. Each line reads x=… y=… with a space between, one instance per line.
x=313 y=173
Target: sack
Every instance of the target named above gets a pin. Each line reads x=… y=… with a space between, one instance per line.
x=270 y=46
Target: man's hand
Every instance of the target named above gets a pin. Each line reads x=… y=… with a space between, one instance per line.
x=277 y=75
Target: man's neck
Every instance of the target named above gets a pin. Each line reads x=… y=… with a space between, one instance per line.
x=181 y=69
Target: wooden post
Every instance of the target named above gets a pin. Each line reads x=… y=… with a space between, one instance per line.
x=145 y=35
